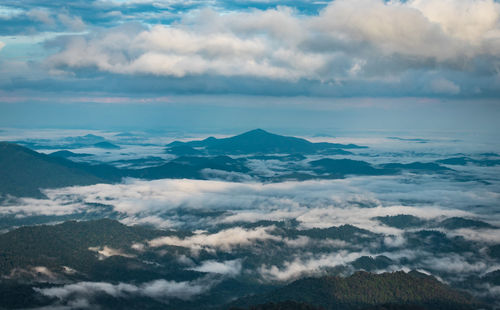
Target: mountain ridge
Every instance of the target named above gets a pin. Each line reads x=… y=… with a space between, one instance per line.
x=365 y=290
x=259 y=141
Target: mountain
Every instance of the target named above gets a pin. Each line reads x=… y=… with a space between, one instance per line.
x=106 y=251
x=494 y=251
x=66 y=244
x=416 y=167
x=259 y=141
x=68 y=154
x=72 y=252
x=369 y=263
x=401 y=221
x=368 y=290
x=462 y=161
x=25 y=171
x=88 y=140
x=458 y=222
x=183 y=150
x=284 y=158
x=190 y=167
x=284 y=305
x=106 y=145
x=342 y=167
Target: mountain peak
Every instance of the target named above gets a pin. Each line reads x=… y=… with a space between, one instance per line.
x=257 y=131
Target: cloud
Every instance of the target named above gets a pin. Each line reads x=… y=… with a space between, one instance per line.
x=37 y=273
x=346 y=39
x=214 y=174
x=456 y=264
x=175 y=203
x=463 y=19
x=158 y=289
x=300 y=267
x=339 y=48
x=444 y=86
x=8 y=12
x=105 y=252
x=74 y=23
x=223 y=240
x=42 y=15
x=229 y=268
x=394 y=241
x=491 y=236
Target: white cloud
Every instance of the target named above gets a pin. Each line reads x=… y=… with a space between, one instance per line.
x=43 y=16
x=105 y=252
x=454 y=263
x=321 y=204
x=394 y=241
x=229 y=268
x=491 y=236
x=158 y=289
x=345 y=38
x=223 y=240
x=299 y=267
x=7 y=12
x=467 y=20
x=74 y=23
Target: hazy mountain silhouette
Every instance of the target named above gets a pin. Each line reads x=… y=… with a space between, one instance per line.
x=259 y=141
x=68 y=154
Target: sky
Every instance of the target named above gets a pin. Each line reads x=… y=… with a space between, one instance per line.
x=218 y=65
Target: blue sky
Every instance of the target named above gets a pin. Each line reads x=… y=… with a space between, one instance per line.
x=183 y=57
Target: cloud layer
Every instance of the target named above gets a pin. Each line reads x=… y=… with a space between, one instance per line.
x=347 y=40
x=339 y=48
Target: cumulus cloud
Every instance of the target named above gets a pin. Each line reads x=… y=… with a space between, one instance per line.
x=42 y=15
x=74 y=23
x=467 y=20
x=346 y=39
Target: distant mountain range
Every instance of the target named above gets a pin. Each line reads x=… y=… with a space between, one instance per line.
x=25 y=172
x=68 y=154
x=88 y=140
x=409 y=221
x=259 y=141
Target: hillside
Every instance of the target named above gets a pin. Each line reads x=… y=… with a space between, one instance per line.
x=367 y=290
x=25 y=171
